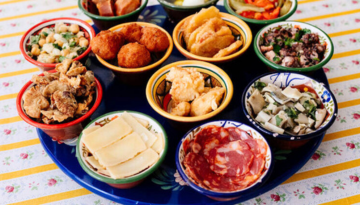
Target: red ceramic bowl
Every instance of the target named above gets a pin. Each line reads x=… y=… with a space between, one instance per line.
x=89 y=34
x=65 y=131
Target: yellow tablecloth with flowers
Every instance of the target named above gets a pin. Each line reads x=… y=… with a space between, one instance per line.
x=331 y=176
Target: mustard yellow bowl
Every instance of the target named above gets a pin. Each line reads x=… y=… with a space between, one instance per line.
x=142 y=74
x=236 y=25
x=158 y=88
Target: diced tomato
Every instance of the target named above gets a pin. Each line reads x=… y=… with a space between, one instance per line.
x=271 y=14
x=258 y=16
x=248 y=14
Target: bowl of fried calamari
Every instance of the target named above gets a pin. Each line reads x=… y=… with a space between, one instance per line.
x=108 y=13
x=132 y=50
x=59 y=101
x=212 y=36
x=189 y=91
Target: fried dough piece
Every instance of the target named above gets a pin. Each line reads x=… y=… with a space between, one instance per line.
x=73 y=82
x=132 y=32
x=52 y=76
x=54 y=86
x=134 y=55
x=107 y=44
x=198 y=19
x=126 y=6
x=229 y=50
x=63 y=66
x=207 y=102
x=52 y=115
x=187 y=84
x=181 y=109
x=154 y=39
x=210 y=38
x=34 y=102
x=65 y=102
x=76 y=69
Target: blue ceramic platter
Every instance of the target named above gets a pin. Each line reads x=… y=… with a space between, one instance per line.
x=161 y=187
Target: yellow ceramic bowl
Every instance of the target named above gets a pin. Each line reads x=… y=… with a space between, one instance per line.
x=137 y=75
x=236 y=25
x=157 y=90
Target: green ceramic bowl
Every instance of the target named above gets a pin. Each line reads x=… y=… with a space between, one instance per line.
x=129 y=181
x=177 y=13
x=324 y=38
x=106 y=22
x=262 y=22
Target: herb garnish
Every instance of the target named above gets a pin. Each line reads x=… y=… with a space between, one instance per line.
x=259 y=85
x=34 y=39
x=57 y=46
x=278 y=120
x=61 y=58
x=292 y=113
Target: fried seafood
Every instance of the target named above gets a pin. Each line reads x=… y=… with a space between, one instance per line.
x=132 y=32
x=207 y=35
x=133 y=55
x=60 y=96
x=154 y=39
x=107 y=44
x=189 y=94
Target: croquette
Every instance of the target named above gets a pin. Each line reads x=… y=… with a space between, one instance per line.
x=154 y=39
x=107 y=44
x=131 y=32
x=133 y=55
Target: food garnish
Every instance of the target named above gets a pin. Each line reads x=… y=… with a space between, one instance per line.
x=55 y=44
x=207 y=35
x=261 y=9
x=292 y=47
x=294 y=110
x=224 y=159
x=61 y=96
x=189 y=94
x=128 y=148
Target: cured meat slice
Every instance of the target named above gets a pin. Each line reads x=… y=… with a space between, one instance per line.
x=258 y=147
x=232 y=159
x=210 y=137
x=238 y=134
x=255 y=172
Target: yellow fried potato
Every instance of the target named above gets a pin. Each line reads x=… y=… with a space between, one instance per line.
x=229 y=50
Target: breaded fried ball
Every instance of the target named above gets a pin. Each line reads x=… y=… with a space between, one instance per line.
x=107 y=44
x=154 y=39
x=131 y=32
x=133 y=55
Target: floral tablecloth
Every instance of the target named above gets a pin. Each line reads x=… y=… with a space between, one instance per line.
x=28 y=176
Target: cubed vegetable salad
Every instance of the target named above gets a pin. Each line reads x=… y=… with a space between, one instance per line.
x=57 y=43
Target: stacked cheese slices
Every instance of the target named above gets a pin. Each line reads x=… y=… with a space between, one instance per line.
x=122 y=148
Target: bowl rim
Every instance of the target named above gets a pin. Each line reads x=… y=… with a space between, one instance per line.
x=134 y=178
x=52 y=65
x=261 y=22
x=145 y=68
x=28 y=120
x=159 y=110
x=184 y=8
x=243 y=26
x=288 y=69
x=111 y=18
x=286 y=136
x=214 y=193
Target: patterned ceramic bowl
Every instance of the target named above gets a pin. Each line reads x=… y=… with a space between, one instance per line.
x=237 y=26
x=138 y=75
x=283 y=79
x=106 y=22
x=157 y=89
x=262 y=22
x=222 y=196
x=324 y=38
x=82 y=152
x=88 y=30
x=65 y=132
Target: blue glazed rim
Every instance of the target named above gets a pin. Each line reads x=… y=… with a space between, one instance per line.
x=221 y=194
x=284 y=136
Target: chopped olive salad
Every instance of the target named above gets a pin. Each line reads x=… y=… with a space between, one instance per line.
x=55 y=44
x=292 y=47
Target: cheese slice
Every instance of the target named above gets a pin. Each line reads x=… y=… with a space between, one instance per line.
x=121 y=150
x=104 y=136
x=143 y=122
x=158 y=146
x=93 y=162
x=90 y=129
x=148 y=137
x=103 y=172
x=135 y=165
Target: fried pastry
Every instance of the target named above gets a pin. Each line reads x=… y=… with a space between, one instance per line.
x=64 y=101
x=154 y=39
x=34 y=102
x=207 y=102
x=181 y=109
x=229 y=50
x=133 y=55
x=132 y=32
x=107 y=44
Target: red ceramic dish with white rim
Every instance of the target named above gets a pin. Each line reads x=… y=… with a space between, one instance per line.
x=63 y=131
x=84 y=26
